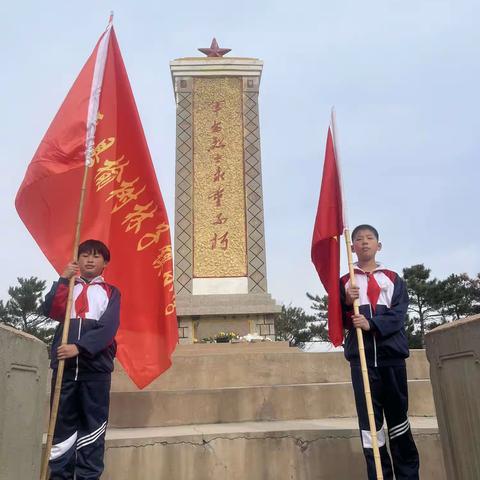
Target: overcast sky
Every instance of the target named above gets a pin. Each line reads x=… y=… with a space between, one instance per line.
x=403 y=76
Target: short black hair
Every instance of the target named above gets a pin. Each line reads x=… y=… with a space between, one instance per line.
x=94 y=246
x=365 y=226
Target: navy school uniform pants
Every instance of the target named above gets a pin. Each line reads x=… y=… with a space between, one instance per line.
x=390 y=399
x=79 y=437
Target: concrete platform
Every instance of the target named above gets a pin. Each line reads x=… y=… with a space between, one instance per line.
x=317 y=449
x=225 y=383
x=253 y=412
x=204 y=366
x=243 y=404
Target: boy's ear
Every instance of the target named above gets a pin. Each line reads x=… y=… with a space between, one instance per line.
x=379 y=246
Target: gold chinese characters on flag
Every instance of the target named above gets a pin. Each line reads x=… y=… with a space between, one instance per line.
x=219 y=231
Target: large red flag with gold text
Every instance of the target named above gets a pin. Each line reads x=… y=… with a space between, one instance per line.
x=98 y=125
x=329 y=225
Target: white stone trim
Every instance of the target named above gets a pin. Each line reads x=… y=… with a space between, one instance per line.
x=207 y=67
x=219 y=286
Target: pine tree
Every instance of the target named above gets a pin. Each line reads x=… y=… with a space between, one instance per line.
x=422 y=294
x=22 y=309
x=294 y=325
x=458 y=296
x=320 y=307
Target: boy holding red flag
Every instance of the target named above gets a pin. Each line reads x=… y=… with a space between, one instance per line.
x=95 y=149
x=383 y=299
x=79 y=438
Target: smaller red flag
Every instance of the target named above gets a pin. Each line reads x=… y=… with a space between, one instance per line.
x=326 y=235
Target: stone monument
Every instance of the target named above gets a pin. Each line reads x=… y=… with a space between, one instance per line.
x=220 y=267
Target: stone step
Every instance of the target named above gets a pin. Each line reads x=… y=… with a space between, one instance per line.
x=314 y=449
x=205 y=366
x=231 y=348
x=253 y=403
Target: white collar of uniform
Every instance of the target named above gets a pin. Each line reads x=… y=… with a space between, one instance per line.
x=98 y=279
x=378 y=268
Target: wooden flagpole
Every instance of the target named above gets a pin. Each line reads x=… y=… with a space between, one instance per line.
x=66 y=327
x=361 y=347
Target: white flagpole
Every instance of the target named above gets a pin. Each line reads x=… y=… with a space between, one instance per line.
x=361 y=347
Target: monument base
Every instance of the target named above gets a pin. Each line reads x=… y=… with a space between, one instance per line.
x=257 y=411
x=204 y=316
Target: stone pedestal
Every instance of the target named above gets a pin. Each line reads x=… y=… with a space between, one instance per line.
x=244 y=314
x=291 y=414
x=256 y=411
x=453 y=351
x=220 y=266
x=23 y=375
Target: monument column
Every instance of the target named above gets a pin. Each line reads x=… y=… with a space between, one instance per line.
x=220 y=267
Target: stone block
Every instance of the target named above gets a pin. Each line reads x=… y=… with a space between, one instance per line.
x=453 y=351
x=23 y=375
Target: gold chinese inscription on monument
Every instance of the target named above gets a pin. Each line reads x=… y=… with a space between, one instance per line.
x=219 y=237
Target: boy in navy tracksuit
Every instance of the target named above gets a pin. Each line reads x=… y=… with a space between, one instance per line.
x=383 y=303
x=79 y=438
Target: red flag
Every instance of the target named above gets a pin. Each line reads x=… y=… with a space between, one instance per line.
x=326 y=239
x=124 y=208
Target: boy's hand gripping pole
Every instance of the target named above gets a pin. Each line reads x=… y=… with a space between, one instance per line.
x=66 y=327
x=363 y=364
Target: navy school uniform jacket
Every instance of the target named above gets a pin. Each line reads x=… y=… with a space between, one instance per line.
x=386 y=343
x=95 y=318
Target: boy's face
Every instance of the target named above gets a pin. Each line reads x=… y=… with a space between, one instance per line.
x=91 y=264
x=366 y=245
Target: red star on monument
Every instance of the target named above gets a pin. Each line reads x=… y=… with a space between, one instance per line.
x=214 y=50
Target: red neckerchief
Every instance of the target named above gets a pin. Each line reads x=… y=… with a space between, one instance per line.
x=81 y=303
x=373 y=288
